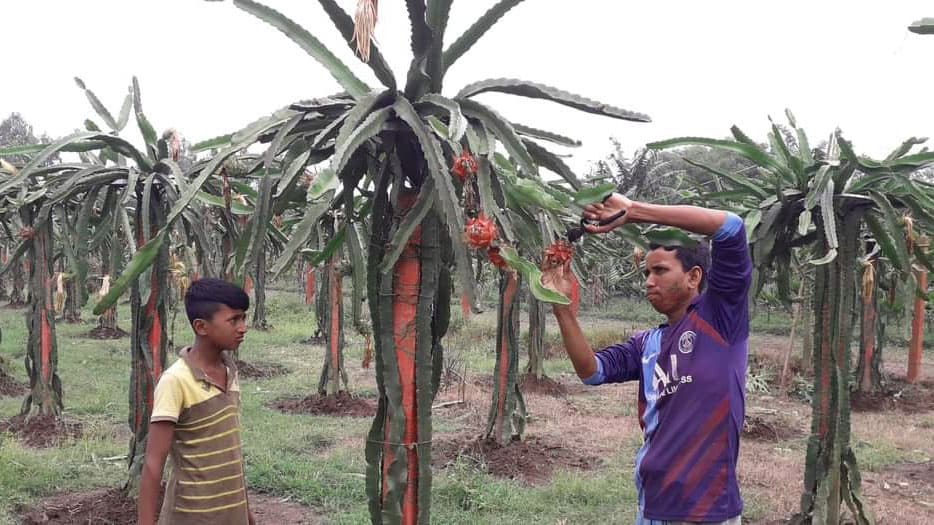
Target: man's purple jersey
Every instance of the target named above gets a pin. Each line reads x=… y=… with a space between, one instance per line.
x=691 y=393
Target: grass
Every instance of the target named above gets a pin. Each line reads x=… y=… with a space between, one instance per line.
x=318 y=461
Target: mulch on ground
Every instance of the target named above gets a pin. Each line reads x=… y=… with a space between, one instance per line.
x=112 y=506
x=41 y=431
x=544 y=386
x=770 y=428
x=529 y=384
x=532 y=461
x=107 y=333
x=342 y=404
x=259 y=370
x=10 y=387
x=897 y=395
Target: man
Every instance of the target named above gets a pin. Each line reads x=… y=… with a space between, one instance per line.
x=196 y=417
x=691 y=369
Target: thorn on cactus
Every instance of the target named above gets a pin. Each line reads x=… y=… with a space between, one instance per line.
x=465 y=165
x=480 y=232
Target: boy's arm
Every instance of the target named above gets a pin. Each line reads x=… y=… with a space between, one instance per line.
x=157 y=449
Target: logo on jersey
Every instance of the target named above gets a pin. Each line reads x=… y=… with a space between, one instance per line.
x=666 y=383
x=686 y=342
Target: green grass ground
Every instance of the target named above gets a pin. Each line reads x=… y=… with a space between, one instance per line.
x=318 y=461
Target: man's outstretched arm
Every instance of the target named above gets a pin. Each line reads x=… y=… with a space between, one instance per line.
x=695 y=219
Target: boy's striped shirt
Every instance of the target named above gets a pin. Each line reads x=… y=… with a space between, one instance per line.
x=207 y=483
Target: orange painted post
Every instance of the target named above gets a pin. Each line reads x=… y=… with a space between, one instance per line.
x=465 y=306
x=917 y=330
x=334 y=339
x=407 y=278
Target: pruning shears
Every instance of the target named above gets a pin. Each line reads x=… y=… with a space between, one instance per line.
x=574 y=234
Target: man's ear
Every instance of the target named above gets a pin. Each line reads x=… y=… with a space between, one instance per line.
x=200 y=326
x=695 y=275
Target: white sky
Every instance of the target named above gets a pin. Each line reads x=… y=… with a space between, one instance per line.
x=695 y=67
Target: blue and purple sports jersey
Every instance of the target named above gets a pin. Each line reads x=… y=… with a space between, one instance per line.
x=691 y=393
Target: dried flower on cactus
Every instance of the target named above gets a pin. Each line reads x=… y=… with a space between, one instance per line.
x=480 y=232
x=174 y=142
x=60 y=292
x=465 y=165
x=364 y=26
x=105 y=286
x=868 y=281
x=909 y=232
x=637 y=254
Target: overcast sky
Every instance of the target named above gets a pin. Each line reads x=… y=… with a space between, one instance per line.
x=696 y=68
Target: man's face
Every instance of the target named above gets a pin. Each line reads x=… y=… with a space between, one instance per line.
x=667 y=285
x=225 y=329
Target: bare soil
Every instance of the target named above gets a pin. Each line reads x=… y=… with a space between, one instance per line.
x=41 y=431
x=10 y=387
x=769 y=428
x=112 y=506
x=529 y=384
x=343 y=404
x=106 y=333
x=897 y=395
x=532 y=461
x=545 y=386
x=259 y=370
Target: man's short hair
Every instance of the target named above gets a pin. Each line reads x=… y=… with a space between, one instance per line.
x=697 y=255
x=205 y=296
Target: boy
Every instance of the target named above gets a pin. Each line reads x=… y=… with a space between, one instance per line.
x=196 y=417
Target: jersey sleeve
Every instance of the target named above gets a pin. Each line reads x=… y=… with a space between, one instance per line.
x=729 y=279
x=618 y=362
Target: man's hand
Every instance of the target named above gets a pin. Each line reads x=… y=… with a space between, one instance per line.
x=599 y=211
x=561 y=279
x=252 y=518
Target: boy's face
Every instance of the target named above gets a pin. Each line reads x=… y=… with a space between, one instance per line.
x=225 y=329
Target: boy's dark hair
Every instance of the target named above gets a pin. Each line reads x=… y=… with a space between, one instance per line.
x=205 y=296
x=698 y=255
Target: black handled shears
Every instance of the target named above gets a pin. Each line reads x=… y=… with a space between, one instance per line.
x=574 y=234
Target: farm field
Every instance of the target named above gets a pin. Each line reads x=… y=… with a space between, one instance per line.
x=573 y=465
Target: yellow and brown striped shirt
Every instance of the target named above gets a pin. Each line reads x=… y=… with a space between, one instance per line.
x=207 y=484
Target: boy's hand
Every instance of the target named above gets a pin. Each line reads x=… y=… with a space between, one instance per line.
x=598 y=211
x=252 y=518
